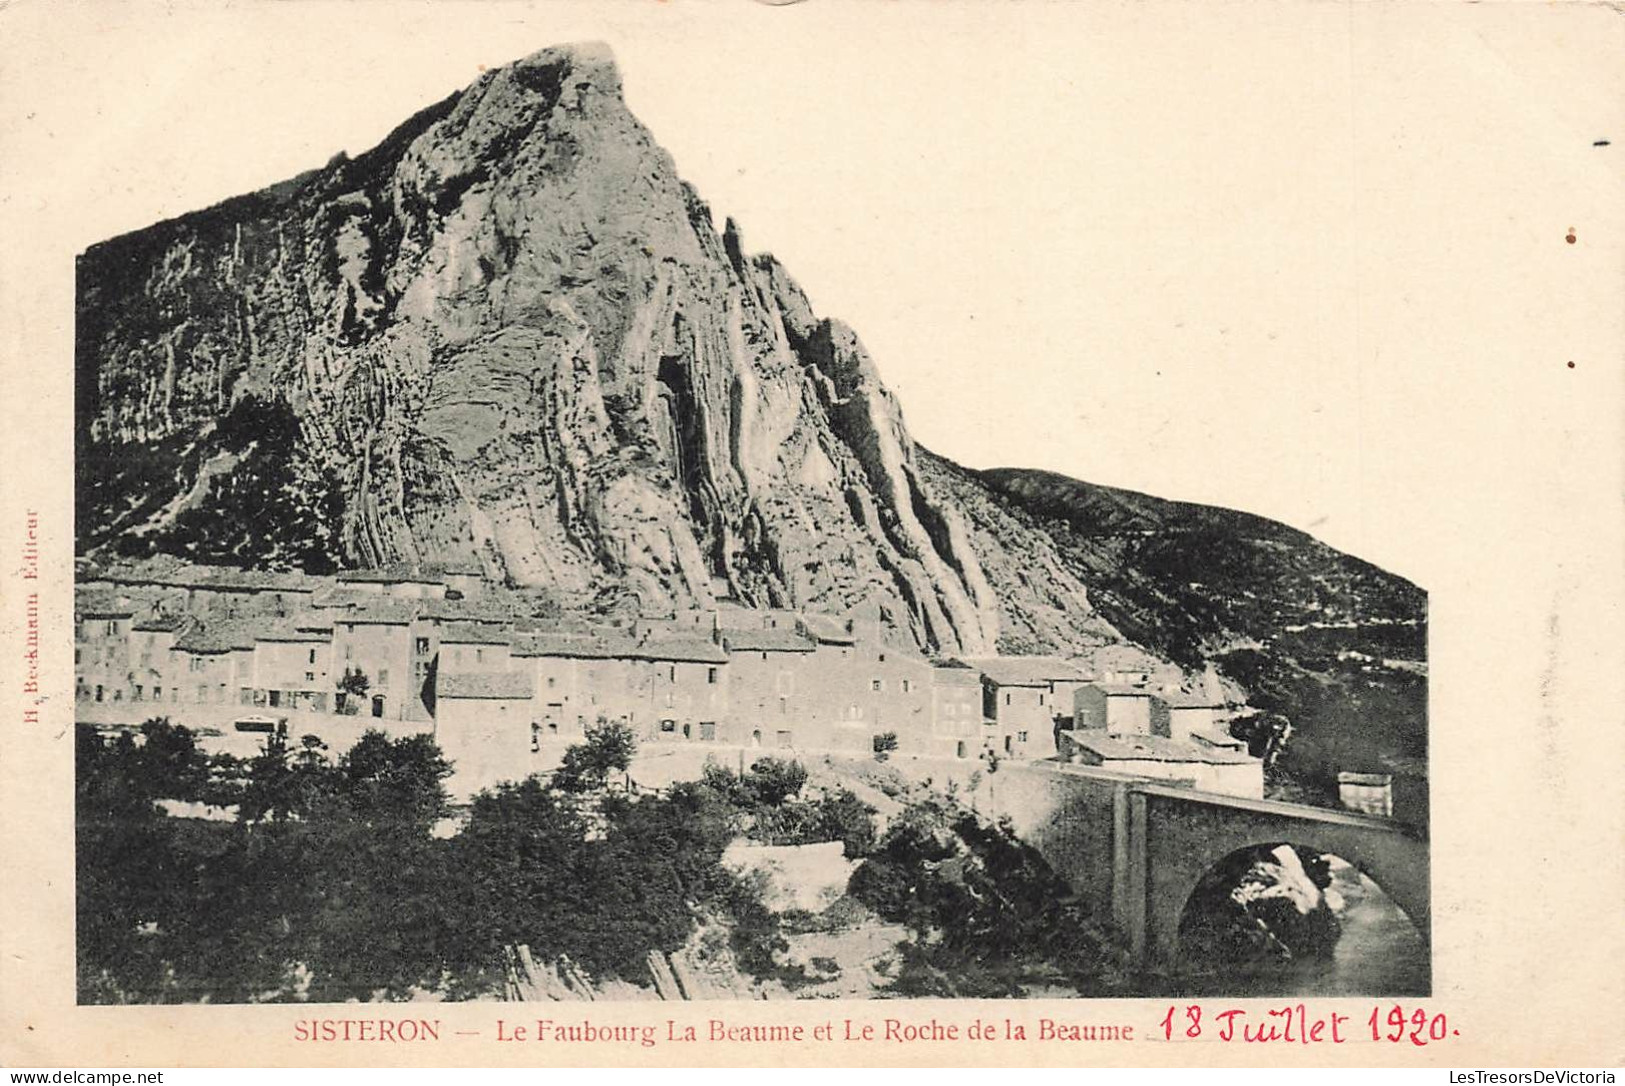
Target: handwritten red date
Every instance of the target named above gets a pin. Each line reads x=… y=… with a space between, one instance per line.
x=1293 y=1024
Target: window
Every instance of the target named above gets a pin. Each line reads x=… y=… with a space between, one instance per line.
x=908 y=685
x=98 y=691
x=157 y=693
x=1040 y=699
x=76 y=656
x=383 y=676
x=479 y=656
x=672 y=671
x=764 y=656
x=552 y=682
x=1021 y=737
x=708 y=731
x=711 y=676
x=310 y=676
x=882 y=657
x=668 y=727
x=423 y=648
x=1007 y=699
x=312 y=657
x=877 y=684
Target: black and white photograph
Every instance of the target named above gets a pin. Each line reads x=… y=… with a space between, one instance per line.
x=827 y=533
x=496 y=578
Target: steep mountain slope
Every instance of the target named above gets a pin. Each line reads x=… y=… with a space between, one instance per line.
x=511 y=332
x=1331 y=643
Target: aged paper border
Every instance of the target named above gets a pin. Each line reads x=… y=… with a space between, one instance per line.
x=1528 y=864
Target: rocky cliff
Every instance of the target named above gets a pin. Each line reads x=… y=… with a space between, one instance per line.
x=511 y=333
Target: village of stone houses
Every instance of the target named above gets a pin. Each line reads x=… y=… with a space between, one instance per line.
x=444 y=652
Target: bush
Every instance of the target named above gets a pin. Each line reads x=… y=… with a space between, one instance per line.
x=884 y=744
x=586 y=767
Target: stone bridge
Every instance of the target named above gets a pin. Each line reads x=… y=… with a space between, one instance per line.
x=1138 y=849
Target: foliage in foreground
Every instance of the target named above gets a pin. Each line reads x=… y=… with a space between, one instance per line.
x=330 y=884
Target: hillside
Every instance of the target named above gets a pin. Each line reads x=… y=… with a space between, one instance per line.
x=1333 y=643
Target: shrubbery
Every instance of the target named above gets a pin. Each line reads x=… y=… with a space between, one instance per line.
x=331 y=884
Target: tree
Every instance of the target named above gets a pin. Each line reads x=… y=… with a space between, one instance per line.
x=587 y=766
x=282 y=785
x=884 y=744
x=398 y=783
x=352 y=689
x=774 y=780
x=167 y=764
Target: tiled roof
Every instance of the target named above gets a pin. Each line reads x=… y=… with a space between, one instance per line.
x=491 y=612
x=579 y=646
x=1215 y=737
x=394 y=574
x=503 y=685
x=315 y=621
x=289 y=630
x=101 y=604
x=217 y=637
x=163 y=623
x=379 y=612
x=468 y=633
x=338 y=596
x=766 y=641
x=226 y=578
x=827 y=629
x=956 y=676
x=1123 y=690
x=613 y=645
x=1025 y=670
x=1155 y=748
x=683 y=649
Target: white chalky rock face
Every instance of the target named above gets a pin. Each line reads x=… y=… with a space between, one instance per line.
x=512 y=332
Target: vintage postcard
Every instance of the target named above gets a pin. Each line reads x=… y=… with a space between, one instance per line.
x=812 y=534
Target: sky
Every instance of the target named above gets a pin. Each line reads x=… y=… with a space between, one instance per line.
x=1302 y=260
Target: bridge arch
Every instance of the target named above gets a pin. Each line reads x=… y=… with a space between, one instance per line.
x=1203 y=915
x=1176 y=837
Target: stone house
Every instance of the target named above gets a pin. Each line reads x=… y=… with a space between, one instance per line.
x=1199 y=765
x=483 y=727
x=1022 y=697
x=688 y=689
x=401 y=581
x=1115 y=709
x=771 y=695
x=1186 y=714
x=956 y=712
x=213 y=664
x=379 y=640
x=293 y=665
x=153 y=676
x=102 y=625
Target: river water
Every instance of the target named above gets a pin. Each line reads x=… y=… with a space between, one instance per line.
x=1379 y=953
